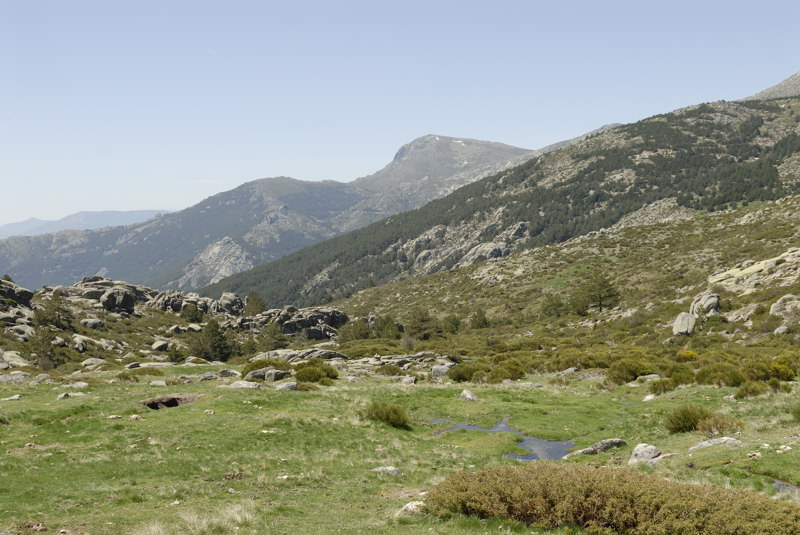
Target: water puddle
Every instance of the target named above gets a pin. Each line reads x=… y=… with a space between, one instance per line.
x=537 y=448
x=784 y=487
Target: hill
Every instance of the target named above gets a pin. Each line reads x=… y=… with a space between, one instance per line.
x=78 y=221
x=785 y=89
x=707 y=157
x=255 y=223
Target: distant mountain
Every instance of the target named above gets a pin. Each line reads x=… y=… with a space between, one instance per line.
x=707 y=157
x=257 y=222
x=786 y=89
x=78 y=221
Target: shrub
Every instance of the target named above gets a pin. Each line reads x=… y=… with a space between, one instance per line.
x=466 y=370
x=680 y=374
x=750 y=389
x=719 y=425
x=394 y=415
x=628 y=369
x=390 y=370
x=309 y=374
x=326 y=369
x=4 y=419
x=777 y=386
x=660 y=386
x=278 y=364
x=307 y=387
x=720 y=374
x=794 y=410
x=686 y=418
x=609 y=500
x=191 y=313
x=355 y=330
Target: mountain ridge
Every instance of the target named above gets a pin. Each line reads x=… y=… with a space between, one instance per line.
x=86 y=220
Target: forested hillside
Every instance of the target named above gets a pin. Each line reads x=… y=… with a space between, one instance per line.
x=710 y=156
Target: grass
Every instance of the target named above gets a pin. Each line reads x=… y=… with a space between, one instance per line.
x=267 y=459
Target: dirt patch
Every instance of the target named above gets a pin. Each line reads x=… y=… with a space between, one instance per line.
x=169 y=400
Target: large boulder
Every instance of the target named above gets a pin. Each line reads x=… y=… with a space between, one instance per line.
x=705 y=305
x=684 y=324
x=228 y=303
x=787 y=308
x=118 y=298
x=13 y=295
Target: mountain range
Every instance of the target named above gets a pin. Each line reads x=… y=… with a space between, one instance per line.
x=77 y=221
x=257 y=222
x=707 y=157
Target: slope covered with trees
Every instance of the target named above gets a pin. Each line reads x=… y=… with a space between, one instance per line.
x=709 y=157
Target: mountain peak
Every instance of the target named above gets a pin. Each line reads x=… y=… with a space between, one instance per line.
x=786 y=89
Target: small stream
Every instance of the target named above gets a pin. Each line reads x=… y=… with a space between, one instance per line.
x=537 y=448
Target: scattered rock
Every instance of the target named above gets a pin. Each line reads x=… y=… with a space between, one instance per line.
x=241 y=384
x=15 y=397
x=705 y=305
x=229 y=373
x=268 y=374
x=157 y=382
x=598 y=447
x=66 y=395
x=389 y=470
x=468 y=396
x=647 y=453
x=160 y=345
x=684 y=324
x=14 y=359
x=649 y=397
x=93 y=323
x=93 y=362
x=291 y=385
x=732 y=442
x=411 y=508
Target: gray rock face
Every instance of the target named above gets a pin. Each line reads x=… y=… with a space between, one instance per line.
x=267 y=374
x=684 y=324
x=706 y=305
x=14 y=359
x=787 y=308
x=93 y=323
x=647 y=453
x=598 y=447
x=787 y=88
x=11 y=292
x=229 y=303
x=468 y=396
x=290 y=385
x=293 y=355
x=728 y=441
x=118 y=298
x=160 y=345
x=484 y=251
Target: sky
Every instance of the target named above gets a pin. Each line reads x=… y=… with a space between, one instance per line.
x=158 y=104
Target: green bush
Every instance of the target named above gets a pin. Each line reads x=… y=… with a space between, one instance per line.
x=390 y=370
x=355 y=330
x=750 y=389
x=628 y=369
x=720 y=374
x=467 y=370
x=608 y=500
x=719 y=425
x=307 y=387
x=394 y=415
x=660 y=386
x=686 y=418
x=278 y=364
x=320 y=368
x=794 y=410
x=309 y=374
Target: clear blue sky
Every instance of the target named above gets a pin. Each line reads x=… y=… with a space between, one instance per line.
x=117 y=104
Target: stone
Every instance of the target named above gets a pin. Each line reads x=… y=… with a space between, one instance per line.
x=598 y=447
x=169 y=400
x=411 y=508
x=12 y=293
x=23 y=332
x=242 y=384
x=389 y=470
x=118 y=298
x=66 y=395
x=568 y=371
x=157 y=383
x=268 y=374
x=783 y=329
x=291 y=385
x=93 y=362
x=787 y=307
x=684 y=324
x=209 y=376
x=649 y=397
x=15 y=397
x=468 y=396
x=225 y=372
x=14 y=359
x=728 y=441
x=705 y=305
x=644 y=453
x=93 y=323
x=440 y=370
x=160 y=345
x=411 y=380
